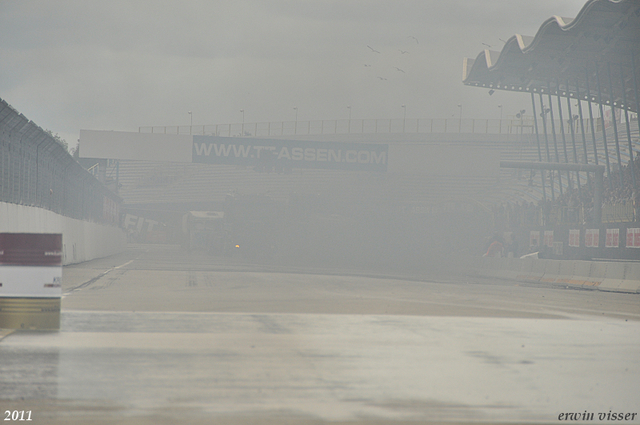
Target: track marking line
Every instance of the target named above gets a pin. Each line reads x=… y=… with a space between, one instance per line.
x=101 y=275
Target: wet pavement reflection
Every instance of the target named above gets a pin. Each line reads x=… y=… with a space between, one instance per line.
x=330 y=367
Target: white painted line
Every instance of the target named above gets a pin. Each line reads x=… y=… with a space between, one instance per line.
x=100 y=276
x=122 y=265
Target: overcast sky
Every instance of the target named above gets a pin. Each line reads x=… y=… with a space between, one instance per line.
x=118 y=65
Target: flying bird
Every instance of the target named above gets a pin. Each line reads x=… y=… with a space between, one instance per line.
x=399 y=69
x=373 y=50
x=485 y=44
x=382 y=78
x=367 y=65
x=413 y=38
x=403 y=51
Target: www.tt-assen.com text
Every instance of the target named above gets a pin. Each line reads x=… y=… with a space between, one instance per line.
x=361 y=156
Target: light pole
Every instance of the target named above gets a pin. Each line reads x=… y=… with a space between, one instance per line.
x=191 y=125
x=404 y=117
x=349 y=108
x=295 y=128
x=460 y=118
x=500 y=124
x=242 y=110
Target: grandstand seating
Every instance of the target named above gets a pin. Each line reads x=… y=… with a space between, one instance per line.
x=153 y=182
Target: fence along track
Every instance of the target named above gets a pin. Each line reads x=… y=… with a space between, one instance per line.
x=37 y=171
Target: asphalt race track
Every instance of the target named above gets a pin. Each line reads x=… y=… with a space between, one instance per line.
x=154 y=336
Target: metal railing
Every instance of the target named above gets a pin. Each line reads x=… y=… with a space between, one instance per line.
x=514 y=217
x=620 y=212
x=359 y=126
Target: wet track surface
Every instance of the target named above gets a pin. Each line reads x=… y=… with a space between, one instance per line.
x=145 y=341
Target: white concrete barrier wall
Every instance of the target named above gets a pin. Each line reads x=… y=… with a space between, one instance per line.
x=81 y=240
x=601 y=275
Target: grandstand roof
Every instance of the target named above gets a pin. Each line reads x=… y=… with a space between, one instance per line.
x=604 y=36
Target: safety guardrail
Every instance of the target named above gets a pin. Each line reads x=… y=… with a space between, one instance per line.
x=360 y=126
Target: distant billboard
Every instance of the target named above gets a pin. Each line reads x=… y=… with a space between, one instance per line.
x=397 y=157
x=286 y=154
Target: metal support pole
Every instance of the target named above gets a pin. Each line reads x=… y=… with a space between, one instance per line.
x=604 y=132
x=584 y=136
x=597 y=196
x=571 y=122
x=597 y=169
x=593 y=129
x=535 y=123
x=553 y=132
x=564 y=139
x=615 y=124
x=635 y=87
x=573 y=138
x=544 y=126
x=631 y=165
x=546 y=143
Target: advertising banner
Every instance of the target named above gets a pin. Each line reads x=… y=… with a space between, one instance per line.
x=592 y=238
x=633 y=237
x=30 y=280
x=574 y=238
x=280 y=155
x=144 y=230
x=30 y=265
x=613 y=238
